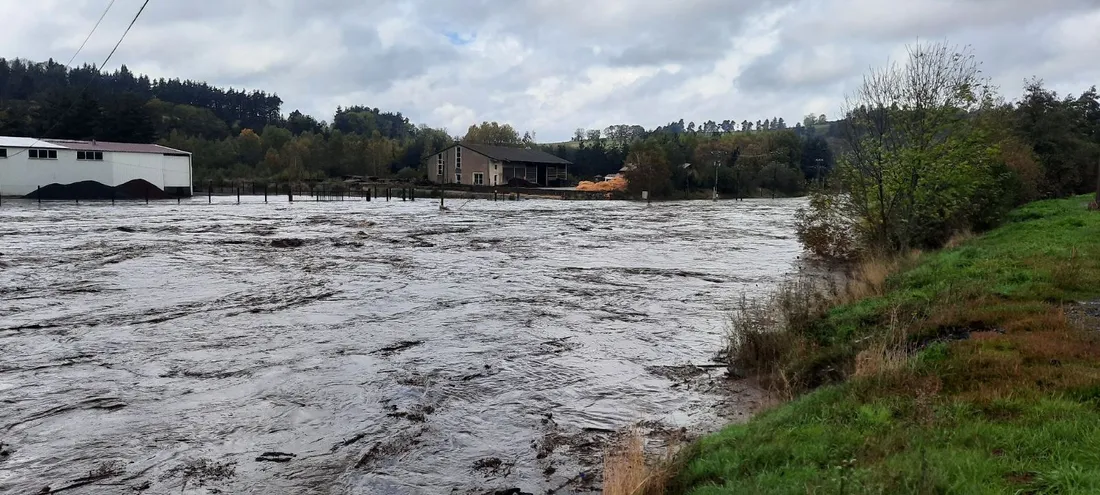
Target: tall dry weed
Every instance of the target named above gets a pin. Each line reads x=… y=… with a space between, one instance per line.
x=769 y=336
x=629 y=471
x=959 y=238
x=868 y=277
x=887 y=354
x=768 y=332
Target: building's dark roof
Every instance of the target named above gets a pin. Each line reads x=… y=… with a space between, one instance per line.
x=115 y=147
x=506 y=154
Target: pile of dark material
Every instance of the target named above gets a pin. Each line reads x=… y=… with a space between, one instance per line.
x=90 y=189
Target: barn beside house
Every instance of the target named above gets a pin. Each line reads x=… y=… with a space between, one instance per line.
x=486 y=165
x=27 y=164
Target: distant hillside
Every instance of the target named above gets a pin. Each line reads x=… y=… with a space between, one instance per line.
x=238 y=135
x=234 y=134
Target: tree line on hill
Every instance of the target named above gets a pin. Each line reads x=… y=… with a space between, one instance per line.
x=239 y=135
x=1047 y=140
x=233 y=134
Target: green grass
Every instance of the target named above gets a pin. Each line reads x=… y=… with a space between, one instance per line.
x=1047 y=252
x=1014 y=408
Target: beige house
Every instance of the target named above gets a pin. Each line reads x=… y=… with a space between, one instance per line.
x=486 y=165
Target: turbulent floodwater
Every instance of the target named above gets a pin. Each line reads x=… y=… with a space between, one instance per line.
x=398 y=350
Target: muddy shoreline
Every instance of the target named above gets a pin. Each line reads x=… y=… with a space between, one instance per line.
x=353 y=347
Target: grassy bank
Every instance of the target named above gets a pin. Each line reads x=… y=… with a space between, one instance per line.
x=972 y=370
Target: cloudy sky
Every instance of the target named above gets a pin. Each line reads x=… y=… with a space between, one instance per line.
x=552 y=66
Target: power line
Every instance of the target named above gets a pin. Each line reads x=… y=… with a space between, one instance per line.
x=97 y=23
x=124 y=33
x=94 y=76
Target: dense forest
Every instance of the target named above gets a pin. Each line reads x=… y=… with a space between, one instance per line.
x=244 y=135
x=233 y=134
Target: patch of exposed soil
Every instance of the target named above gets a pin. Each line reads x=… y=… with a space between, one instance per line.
x=287 y=243
x=418 y=413
x=398 y=347
x=398 y=445
x=1085 y=315
x=493 y=466
x=199 y=472
x=280 y=457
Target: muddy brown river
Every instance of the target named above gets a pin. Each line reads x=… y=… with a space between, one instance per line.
x=366 y=348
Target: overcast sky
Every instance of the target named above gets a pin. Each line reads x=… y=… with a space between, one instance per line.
x=554 y=65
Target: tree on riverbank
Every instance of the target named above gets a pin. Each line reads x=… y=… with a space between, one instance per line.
x=930 y=150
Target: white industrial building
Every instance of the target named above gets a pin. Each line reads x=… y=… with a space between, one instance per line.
x=27 y=164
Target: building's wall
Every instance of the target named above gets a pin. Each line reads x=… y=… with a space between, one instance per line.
x=163 y=171
x=21 y=175
x=472 y=163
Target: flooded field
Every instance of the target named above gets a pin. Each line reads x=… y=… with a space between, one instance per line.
x=368 y=348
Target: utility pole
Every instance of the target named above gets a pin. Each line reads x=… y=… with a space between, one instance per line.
x=717 y=163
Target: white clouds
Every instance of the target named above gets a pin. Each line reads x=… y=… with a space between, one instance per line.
x=553 y=65
x=455 y=119
x=1078 y=33
x=760 y=38
x=820 y=64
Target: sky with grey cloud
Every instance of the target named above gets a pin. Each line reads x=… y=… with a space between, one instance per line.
x=552 y=66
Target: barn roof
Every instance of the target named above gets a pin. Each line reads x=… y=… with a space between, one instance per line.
x=507 y=154
x=25 y=142
x=114 y=147
x=71 y=144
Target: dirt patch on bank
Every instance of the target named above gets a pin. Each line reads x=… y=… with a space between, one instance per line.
x=1085 y=315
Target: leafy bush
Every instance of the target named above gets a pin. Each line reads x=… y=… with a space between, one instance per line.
x=825 y=229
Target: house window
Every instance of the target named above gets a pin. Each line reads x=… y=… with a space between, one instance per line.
x=42 y=154
x=3 y=152
x=458 y=164
x=479 y=179
x=89 y=155
x=496 y=179
x=439 y=166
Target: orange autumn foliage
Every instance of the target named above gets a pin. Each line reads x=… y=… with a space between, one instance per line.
x=616 y=184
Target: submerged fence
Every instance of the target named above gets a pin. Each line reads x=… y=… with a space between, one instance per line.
x=301 y=192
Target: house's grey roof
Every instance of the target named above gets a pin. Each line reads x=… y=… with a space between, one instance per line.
x=506 y=154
